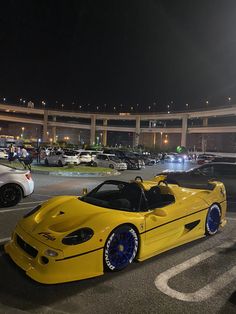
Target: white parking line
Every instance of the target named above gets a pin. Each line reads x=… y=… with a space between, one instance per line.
x=35 y=202
x=204 y=293
x=44 y=195
x=231 y=218
x=3 y=240
x=13 y=210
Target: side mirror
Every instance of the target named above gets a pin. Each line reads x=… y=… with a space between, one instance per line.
x=85 y=191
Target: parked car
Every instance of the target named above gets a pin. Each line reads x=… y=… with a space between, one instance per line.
x=14 y=185
x=72 y=238
x=221 y=171
x=133 y=163
x=3 y=153
x=109 y=161
x=62 y=158
x=85 y=157
x=205 y=158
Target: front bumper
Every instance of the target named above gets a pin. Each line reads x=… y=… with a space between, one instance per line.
x=57 y=269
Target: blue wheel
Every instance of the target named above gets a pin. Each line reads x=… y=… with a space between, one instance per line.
x=213 y=219
x=121 y=248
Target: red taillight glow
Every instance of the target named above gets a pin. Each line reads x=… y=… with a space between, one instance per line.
x=28 y=176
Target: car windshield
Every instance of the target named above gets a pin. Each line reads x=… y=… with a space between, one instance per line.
x=114 y=158
x=117 y=195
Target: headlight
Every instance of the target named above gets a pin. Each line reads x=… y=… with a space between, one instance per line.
x=33 y=211
x=78 y=236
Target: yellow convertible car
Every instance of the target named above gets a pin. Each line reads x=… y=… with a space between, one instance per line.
x=71 y=238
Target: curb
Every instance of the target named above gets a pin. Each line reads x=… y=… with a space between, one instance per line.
x=77 y=174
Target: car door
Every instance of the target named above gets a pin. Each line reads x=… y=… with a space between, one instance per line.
x=99 y=160
x=166 y=229
x=227 y=174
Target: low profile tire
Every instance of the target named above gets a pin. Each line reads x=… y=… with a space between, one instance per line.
x=121 y=248
x=46 y=162
x=213 y=219
x=111 y=166
x=60 y=163
x=10 y=195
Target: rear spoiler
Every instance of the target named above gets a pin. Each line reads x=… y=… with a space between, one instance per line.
x=203 y=185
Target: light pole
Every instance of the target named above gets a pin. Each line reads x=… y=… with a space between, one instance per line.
x=22 y=134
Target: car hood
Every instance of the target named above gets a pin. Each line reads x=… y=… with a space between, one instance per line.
x=58 y=217
x=9 y=170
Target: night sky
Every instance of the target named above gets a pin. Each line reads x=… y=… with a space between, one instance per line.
x=119 y=52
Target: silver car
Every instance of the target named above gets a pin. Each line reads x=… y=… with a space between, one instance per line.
x=14 y=185
x=109 y=161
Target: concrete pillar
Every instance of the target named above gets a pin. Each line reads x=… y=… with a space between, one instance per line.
x=54 y=130
x=104 y=134
x=93 y=129
x=184 y=130
x=204 y=136
x=205 y=121
x=45 y=126
x=154 y=140
x=137 y=131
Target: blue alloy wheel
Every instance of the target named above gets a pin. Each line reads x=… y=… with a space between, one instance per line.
x=213 y=219
x=121 y=248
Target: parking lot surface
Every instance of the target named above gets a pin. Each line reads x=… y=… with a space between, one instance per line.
x=199 y=277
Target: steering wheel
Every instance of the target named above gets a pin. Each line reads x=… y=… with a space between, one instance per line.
x=138 y=178
x=162 y=182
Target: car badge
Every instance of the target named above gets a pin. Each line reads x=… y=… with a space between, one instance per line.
x=47 y=235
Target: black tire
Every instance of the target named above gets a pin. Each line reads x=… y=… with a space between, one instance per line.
x=10 y=195
x=60 y=164
x=95 y=164
x=213 y=220
x=121 y=248
x=111 y=166
x=46 y=162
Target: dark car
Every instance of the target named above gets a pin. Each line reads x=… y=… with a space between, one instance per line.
x=205 y=158
x=133 y=163
x=222 y=171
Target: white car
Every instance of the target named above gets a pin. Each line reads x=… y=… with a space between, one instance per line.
x=109 y=161
x=60 y=158
x=3 y=153
x=85 y=157
x=14 y=185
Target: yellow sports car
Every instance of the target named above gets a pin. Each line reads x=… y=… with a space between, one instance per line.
x=70 y=238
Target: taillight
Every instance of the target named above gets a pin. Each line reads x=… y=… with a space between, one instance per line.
x=28 y=176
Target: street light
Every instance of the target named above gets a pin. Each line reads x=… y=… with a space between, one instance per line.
x=22 y=134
